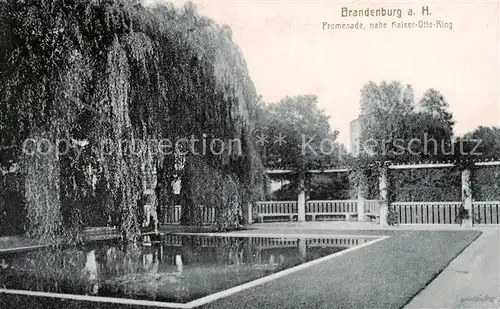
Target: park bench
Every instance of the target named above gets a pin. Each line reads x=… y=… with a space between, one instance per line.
x=372 y=216
x=372 y=209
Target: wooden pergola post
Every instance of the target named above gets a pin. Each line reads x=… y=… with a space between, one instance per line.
x=467 y=196
x=384 y=207
x=361 y=203
x=301 y=202
x=250 y=213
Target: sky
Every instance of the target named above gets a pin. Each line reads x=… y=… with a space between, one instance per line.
x=288 y=52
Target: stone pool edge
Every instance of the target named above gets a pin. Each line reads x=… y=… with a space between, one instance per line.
x=225 y=293
x=218 y=295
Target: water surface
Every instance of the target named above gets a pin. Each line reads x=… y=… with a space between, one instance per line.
x=173 y=268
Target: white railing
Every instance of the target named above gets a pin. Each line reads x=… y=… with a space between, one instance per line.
x=267 y=242
x=273 y=242
x=277 y=207
x=207 y=215
x=263 y=243
x=372 y=207
x=407 y=212
x=173 y=215
x=332 y=208
x=426 y=212
x=325 y=242
x=276 y=210
x=486 y=212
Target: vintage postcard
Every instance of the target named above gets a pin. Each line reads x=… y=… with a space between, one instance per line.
x=249 y=154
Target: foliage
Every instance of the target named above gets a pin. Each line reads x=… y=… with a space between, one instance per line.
x=485 y=179
x=392 y=217
x=12 y=206
x=395 y=128
x=436 y=119
x=384 y=109
x=42 y=195
x=425 y=185
x=298 y=120
x=462 y=215
x=486 y=183
x=364 y=175
x=318 y=187
x=329 y=187
x=307 y=139
x=110 y=71
x=487 y=140
x=213 y=189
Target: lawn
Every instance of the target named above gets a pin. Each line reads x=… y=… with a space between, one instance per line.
x=386 y=274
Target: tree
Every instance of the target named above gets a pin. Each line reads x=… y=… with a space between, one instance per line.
x=485 y=179
x=114 y=71
x=384 y=113
x=295 y=134
x=308 y=142
x=401 y=131
x=434 y=104
x=435 y=122
x=487 y=140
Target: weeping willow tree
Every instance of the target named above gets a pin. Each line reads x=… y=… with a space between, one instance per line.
x=104 y=75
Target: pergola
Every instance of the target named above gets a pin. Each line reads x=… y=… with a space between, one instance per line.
x=384 y=167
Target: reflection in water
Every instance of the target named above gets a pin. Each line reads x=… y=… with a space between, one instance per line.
x=90 y=272
x=4 y=265
x=271 y=259
x=178 y=263
x=236 y=252
x=178 y=269
x=302 y=248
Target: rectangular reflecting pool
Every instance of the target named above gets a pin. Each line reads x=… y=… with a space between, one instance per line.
x=170 y=268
